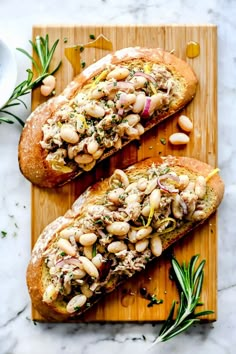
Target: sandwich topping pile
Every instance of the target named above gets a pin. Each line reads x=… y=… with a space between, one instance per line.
x=112 y=108
x=120 y=230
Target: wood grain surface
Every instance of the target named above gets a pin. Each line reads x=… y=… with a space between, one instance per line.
x=126 y=304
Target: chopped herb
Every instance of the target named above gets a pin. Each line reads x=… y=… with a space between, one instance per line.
x=88 y=304
x=154 y=301
x=163 y=141
x=115 y=83
x=147 y=259
x=76 y=308
x=81 y=49
x=4 y=233
x=62 y=254
x=16 y=226
x=65 y=40
x=92 y=36
x=94 y=250
x=83 y=64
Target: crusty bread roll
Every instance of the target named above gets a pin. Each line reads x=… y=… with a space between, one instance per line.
x=115 y=228
x=112 y=102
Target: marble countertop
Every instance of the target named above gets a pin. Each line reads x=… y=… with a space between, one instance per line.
x=20 y=335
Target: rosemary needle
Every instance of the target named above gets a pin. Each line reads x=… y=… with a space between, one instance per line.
x=189 y=280
x=41 y=63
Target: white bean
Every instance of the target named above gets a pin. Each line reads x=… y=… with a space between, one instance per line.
x=183 y=182
x=69 y=134
x=132 y=198
x=139 y=103
x=83 y=158
x=116 y=246
x=185 y=123
x=151 y=186
x=139 y=128
x=89 y=267
x=86 y=291
x=88 y=166
x=50 y=294
x=97 y=260
x=138 y=81
x=155 y=198
x=79 y=274
x=94 y=110
x=118 y=144
x=98 y=154
x=80 y=98
x=132 y=132
x=118 y=228
x=176 y=207
x=118 y=73
x=80 y=123
x=66 y=247
x=179 y=139
x=198 y=215
x=121 y=177
x=156 y=102
x=125 y=100
x=144 y=232
x=146 y=210
x=156 y=245
x=88 y=239
x=142 y=184
x=113 y=195
x=92 y=147
x=76 y=303
x=200 y=187
x=132 y=235
x=88 y=252
x=71 y=231
x=141 y=245
x=132 y=119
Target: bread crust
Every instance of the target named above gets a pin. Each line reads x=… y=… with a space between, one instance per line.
x=31 y=155
x=37 y=265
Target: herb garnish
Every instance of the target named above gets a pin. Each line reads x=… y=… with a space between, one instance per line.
x=41 y=65
x=4 y=233
x=92 y=36
x=163 y=141
x=154 y=301
x=189 y=281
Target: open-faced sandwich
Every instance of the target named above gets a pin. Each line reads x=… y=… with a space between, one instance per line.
x=111 y=103
x=115 y=228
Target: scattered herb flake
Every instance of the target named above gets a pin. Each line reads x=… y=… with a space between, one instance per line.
x=65 y=40
x=154 y=301
x=92 y=36
x=62 y=254
x=4 y=233
x=81 y=49
x=83 y=64
x=163 y=141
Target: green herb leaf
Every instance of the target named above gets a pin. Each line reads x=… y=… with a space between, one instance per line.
x=41 y=61
x=4 y=233
x=189 y=280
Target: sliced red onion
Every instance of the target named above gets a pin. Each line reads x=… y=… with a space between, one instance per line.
x=73 y=261
x=145 y=112
x=147 y=76
x=165 y=188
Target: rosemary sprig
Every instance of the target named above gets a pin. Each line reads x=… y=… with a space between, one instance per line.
x=189 y=279
x=44 y=55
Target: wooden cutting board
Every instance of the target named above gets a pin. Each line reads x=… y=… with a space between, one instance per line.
x=126 y=304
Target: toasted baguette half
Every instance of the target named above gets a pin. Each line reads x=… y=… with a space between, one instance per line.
x=111 y=103
x=115 y=228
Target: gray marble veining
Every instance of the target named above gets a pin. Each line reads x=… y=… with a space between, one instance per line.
x=18 y=334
